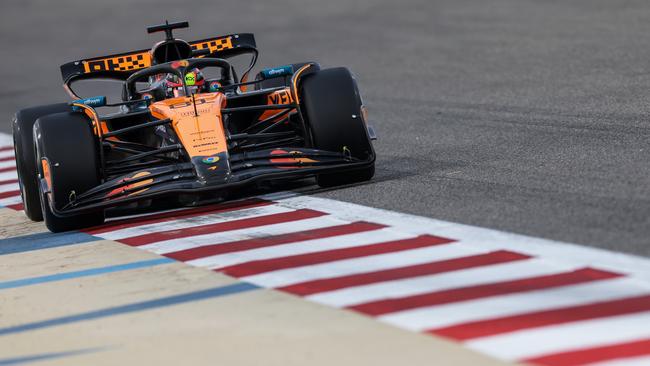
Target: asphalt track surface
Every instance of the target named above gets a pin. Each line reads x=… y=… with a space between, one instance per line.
x=524 y=116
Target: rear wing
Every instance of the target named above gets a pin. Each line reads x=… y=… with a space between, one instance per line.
x=121 y=66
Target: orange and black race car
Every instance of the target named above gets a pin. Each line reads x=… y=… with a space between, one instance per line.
x=187 y=125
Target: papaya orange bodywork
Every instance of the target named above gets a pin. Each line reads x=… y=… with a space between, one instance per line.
x=200 y=130
x=46 y=173
x=277 y=97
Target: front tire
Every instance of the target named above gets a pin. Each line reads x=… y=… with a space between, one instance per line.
x=332 y=106
x=23 y=127
x=67 y=143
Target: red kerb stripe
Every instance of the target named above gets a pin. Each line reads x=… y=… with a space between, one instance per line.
x=331 y=284
x=10 y=181
x=222 y=226
x=9 y=194
x=8 y=158
x=261 y=266
x=238 y=246
x=17 y=206
x=596 y=354
x=543 y=318
x=6 y=148
x=475 y=292
x=8 y=169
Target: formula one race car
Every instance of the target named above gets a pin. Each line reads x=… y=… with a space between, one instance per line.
x=179 y=132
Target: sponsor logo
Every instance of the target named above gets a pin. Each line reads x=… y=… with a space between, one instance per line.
x=279 y=71
x=92 y=102
x=190 y=79
x=214 y=86
x=279 y=97
x=210 y=160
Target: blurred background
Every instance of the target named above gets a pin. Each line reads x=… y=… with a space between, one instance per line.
x=523 y=115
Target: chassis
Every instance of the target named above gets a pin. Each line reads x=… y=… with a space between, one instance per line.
x=290 y=122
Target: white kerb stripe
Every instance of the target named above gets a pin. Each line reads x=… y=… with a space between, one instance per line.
x=629 y=361
x=175 y=245
x=198 y=220
x=438 y=282
x=7 y=164
x=10 y=175
x=486 y=238
x=6 y=154
x=565 y=337
x=6 y=140
x=11 y=200
x=9 y=187
x=438 y=316
x=301 y=247
x=365 y=264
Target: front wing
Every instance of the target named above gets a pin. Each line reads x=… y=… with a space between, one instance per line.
x=181 y=178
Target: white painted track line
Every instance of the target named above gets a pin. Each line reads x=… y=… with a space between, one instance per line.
x=189 y=222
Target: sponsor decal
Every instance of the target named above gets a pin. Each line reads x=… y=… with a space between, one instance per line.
x=210 y=160
x=93 y=102
x=190 y=79
x=279 y=97
x=214 y=86
x=277 y=71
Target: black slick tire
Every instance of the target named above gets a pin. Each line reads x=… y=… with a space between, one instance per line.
x=332 y=108
x=22 y=127
x=67 y=143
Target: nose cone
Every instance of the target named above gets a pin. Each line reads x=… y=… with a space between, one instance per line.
x=214 y=169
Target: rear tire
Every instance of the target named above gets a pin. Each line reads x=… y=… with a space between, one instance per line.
x=26 y=160
x=332 y=106
x=66 y=140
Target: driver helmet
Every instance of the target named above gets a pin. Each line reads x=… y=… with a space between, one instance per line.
x=174 y=85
